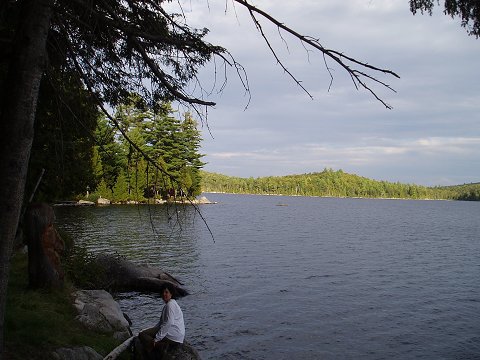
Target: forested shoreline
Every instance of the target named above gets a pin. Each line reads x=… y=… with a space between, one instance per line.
x=331 y=183
x=158 y=158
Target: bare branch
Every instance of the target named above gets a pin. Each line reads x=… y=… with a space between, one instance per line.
x=260 y=29
x=355 y=74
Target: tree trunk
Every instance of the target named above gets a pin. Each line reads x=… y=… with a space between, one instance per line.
x=17 y=113
x=45 y=247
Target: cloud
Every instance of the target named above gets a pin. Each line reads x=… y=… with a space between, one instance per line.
x=430 y=136
x=363 y=159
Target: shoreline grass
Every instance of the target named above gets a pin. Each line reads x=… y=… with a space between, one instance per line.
x=37 y=321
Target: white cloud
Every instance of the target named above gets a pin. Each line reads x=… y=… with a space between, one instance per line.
x=430 y=137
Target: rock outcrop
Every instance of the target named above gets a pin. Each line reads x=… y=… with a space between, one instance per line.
x=102 y=201
x=182 y=352
x=85 y=203
x=98 y=311
x=203 y=200
x=124 y=275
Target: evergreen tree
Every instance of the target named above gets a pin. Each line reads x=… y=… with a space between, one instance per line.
x=65 y=120
x=171 y=143
x=111 y=154
x=191 y=141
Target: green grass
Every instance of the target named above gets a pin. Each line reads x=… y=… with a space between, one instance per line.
x=38 y=322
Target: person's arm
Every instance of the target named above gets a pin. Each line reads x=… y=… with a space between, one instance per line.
x=166 y=321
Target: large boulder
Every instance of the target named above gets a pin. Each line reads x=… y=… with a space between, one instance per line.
x=124 y=275
x=102 y=201
x=203 y=200
x=183 y=352
x=98 y=311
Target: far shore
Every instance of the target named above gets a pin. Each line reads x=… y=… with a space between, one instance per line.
x=325 y=196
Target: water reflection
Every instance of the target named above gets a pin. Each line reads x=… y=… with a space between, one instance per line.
x=154 y=235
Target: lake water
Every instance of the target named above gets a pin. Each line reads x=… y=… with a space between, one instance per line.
x=305 y=278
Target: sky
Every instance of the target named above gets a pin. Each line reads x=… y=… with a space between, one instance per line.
x=431 y=136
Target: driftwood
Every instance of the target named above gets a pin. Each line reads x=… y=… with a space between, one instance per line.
x=44 y=248
x=124 y=275
x=115 y=353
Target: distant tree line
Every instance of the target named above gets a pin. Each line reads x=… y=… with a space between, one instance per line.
x=332 y=183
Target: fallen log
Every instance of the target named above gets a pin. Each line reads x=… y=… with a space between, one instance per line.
x=115 y=353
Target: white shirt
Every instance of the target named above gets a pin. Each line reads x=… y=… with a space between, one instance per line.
x=171 y=323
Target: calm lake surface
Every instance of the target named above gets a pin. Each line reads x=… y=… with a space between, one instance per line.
x=305 y=278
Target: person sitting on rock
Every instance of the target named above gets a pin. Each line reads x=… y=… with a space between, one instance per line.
x=169 y=333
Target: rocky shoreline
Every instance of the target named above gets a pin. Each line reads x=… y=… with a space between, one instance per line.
x=99 y=312
x=102 y=201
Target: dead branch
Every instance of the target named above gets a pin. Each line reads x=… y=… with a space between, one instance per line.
x=344 y=61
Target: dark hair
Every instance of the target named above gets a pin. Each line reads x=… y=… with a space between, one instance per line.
x=171 y=288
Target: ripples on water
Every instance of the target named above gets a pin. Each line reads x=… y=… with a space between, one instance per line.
x=316 y=279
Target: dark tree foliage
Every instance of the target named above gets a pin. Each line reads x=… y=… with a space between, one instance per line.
x=65 y=122
x=171 y=143
x=110 y=154
x=467 y=10
x=119 y=46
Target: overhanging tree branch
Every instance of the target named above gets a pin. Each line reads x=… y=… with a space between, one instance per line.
x=342 y=60
x=122 y=131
